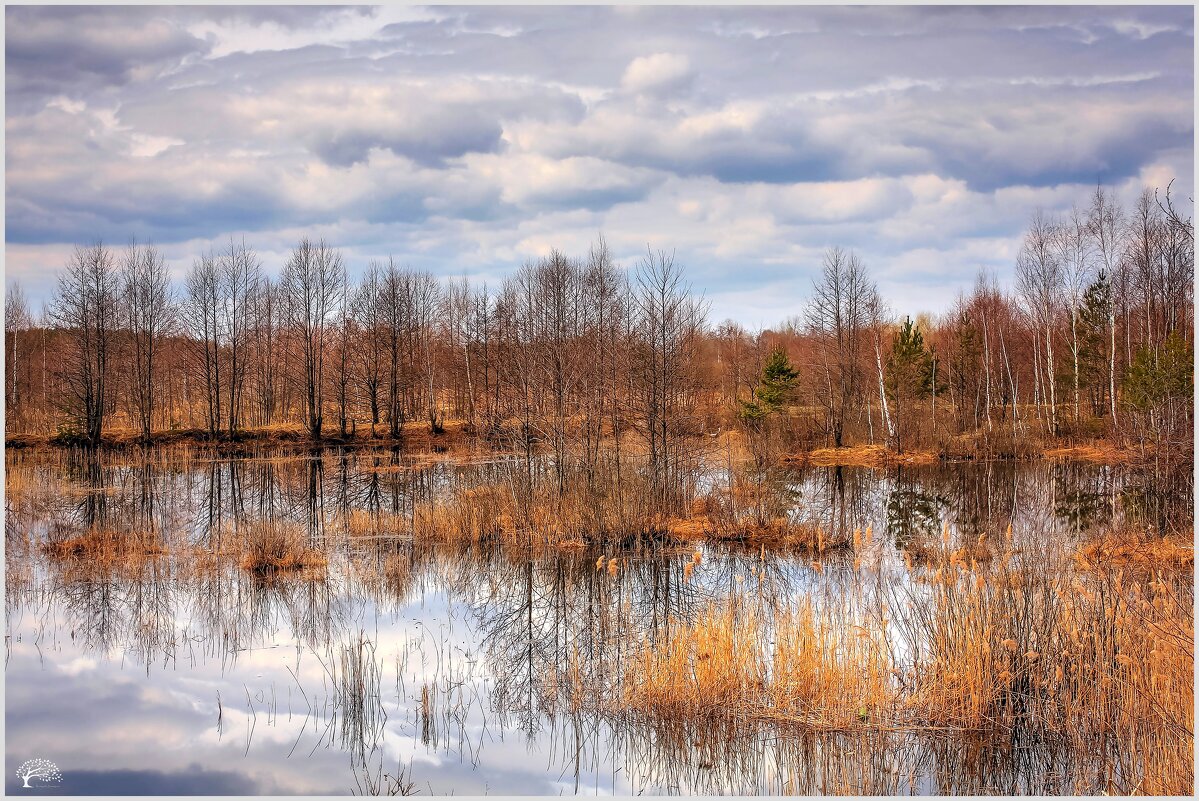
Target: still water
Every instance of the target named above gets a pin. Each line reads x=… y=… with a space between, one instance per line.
x=436 y=668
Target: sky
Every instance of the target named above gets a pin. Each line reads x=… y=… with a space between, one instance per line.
x=466 y=141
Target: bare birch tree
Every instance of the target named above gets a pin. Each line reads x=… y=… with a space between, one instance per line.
x=16 y=322
x=1039 y=280
x=1105 y=223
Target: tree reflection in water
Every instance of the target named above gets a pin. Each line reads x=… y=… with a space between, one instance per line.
x=400 y=649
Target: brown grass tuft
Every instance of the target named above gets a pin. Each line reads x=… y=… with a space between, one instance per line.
x=271 y=547
x=103 y=545
x=1100 y=452
x=1136 y=550
x=820 y=673
x=861 y=456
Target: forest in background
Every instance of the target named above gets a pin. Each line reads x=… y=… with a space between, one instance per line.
x=1092 y=342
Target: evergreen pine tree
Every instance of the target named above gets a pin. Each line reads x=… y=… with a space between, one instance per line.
x=1093 y=342
x=908 y=373
x=775 y=386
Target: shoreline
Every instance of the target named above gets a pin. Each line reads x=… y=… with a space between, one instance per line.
x=456 y=441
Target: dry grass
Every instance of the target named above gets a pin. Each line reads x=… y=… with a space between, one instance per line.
x=820 y=672
x=861 y=456
x=830 y=672
x=1098 y=452
x=272 y=547
x=1137 y=550
x=106 y=545
x=510 y=511
x=1103 y=665
x=363 y=523
x=712 y=667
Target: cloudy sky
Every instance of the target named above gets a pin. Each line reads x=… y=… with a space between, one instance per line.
x=465 y=141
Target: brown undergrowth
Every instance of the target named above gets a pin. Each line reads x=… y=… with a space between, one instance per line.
x=456 y=441
x=1137 y=550
x=861 y=456
x=1098 y=452
x=454 y=437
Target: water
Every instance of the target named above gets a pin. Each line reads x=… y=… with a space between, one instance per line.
x=421 y=667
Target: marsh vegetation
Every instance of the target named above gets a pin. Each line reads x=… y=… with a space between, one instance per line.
x=385 y=622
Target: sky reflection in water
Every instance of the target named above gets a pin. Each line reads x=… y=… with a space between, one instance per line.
x=140 y=684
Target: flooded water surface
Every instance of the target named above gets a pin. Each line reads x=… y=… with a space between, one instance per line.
x=397 y=665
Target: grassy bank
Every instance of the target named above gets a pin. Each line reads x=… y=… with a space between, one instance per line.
x=457 y=439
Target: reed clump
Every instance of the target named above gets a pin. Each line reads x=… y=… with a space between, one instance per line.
x=781 y=533
x=830 y=672
x=761 y=516
x=1101 y=663
x=269 y=547
x=711 y=667
x=948 y=551
x=469 y=515
x=1137 y=550
x=585 y=510
x=106 y=545
x=803 y=667
x=362 y=523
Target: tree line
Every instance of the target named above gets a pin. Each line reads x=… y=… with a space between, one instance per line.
x=1094 y=338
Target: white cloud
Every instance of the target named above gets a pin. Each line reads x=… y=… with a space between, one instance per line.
x=466 y=140
x=659 y=71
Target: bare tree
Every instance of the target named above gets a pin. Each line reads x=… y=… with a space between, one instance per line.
x=838 y=316
x=424 y=304
x=313 y=281
x=1039 y=280
x=394 y=317
x=86 y=307
x=150 y=314
x=1144 y=255
x=16 y=322
x=344 y=343
x=604 y=352
x=876 y=319
x=1074 y=246
x=370 y=349
x=202 y=313
x=668 y=322
x=239 y=274
x=265 y=350
x=1105 y=223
